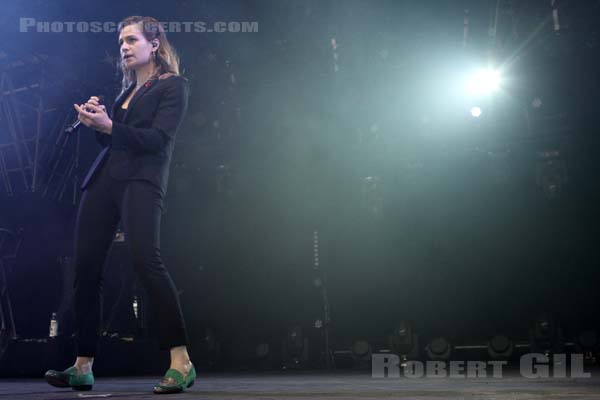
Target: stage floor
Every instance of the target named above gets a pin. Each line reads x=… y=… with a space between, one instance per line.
x=291 y=385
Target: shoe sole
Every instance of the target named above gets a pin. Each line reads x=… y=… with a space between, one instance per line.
x=83 y=388
x=59 y=383
x=56 y=382
x=174 y=390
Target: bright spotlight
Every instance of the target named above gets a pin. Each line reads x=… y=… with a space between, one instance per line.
x=476 y=112
x=484 y=81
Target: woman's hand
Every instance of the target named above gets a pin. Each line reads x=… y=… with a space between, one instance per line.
x=93 y=115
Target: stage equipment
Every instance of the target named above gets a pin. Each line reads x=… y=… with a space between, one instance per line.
x=500 y=347
x=10 y=243
x=404 y=341
x=439 y=349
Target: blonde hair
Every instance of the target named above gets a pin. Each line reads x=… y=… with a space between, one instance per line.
x=166 y=57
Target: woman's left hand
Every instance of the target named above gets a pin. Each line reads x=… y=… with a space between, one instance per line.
x=96 y=118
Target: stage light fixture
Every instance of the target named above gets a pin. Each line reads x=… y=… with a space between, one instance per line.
x=373 y=195
x=551 y=174
x=295 y=349
x=361 y=353
x=262 y=350
x=545 y=336
x=361 y=350
x=500 y=347
x=476 y=112
x=483 y=82
x=587 y=340
x=588 y=344
x=439 y=349
x=404 y=341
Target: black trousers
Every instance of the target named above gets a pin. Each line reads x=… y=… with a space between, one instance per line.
x=139 y=205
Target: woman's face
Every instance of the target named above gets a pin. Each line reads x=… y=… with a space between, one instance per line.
x=135 y=49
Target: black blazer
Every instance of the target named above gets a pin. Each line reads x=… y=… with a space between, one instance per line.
x=141 y=146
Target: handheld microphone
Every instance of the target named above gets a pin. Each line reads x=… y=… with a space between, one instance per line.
x=75 y=125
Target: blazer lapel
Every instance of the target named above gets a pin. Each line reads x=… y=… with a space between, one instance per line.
x=119 y=101
x=137 y=96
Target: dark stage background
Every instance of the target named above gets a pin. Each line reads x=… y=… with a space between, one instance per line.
x=423 y=212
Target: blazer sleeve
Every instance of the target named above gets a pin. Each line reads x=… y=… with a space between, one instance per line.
x=102 y=138
x=171 y=110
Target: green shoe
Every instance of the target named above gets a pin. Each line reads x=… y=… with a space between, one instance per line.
x=174 y=382
x=70 y=378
